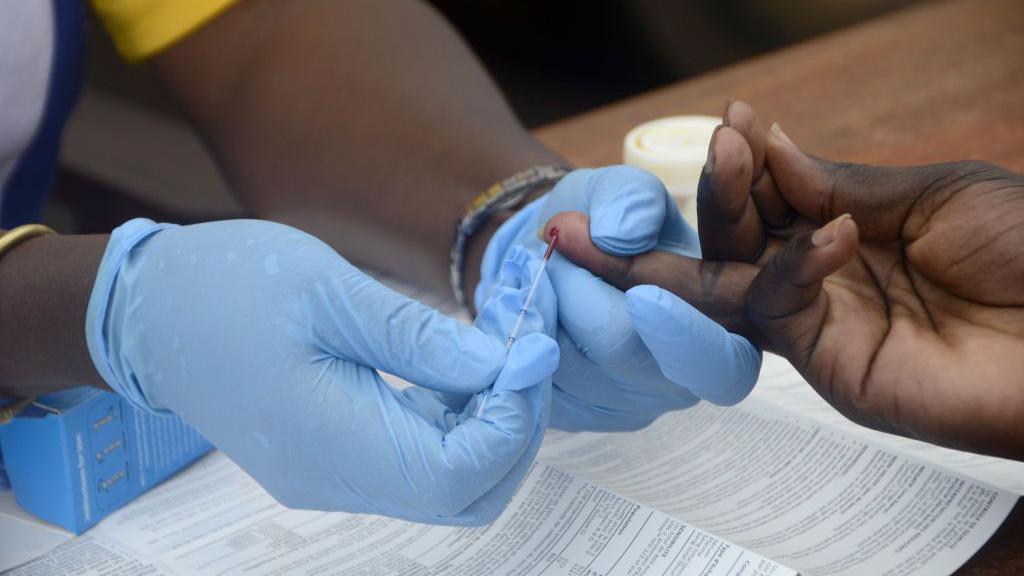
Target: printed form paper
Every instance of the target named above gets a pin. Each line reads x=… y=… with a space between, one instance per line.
x=22 y=536
x=748 y=490
x=780 y=384
x=799 y=492
x=214 y=519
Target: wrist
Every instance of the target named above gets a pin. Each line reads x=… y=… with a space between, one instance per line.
x=110 y=302
x=485 y=215
x=475 y=250
x=509 y=227
x=44 y=289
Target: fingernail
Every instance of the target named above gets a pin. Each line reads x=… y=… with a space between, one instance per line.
x=777 y=130
x=540 y=234
x=709 y=165
x=725 y=114
x=827 y=233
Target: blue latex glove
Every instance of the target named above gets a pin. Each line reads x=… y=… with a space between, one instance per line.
x=266 y=341
x=497 y=316
x=625 y=358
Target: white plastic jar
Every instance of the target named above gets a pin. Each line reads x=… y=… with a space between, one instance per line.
x=674 y=149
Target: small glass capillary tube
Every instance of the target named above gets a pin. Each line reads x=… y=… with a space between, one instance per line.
x=553 y=234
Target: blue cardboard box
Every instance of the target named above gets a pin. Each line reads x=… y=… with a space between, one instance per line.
x=78 y=455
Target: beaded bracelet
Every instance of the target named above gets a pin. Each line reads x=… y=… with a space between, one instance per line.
x=505 y=195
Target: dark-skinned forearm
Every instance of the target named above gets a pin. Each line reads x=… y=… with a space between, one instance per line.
x=45 y=283
x=368 y=124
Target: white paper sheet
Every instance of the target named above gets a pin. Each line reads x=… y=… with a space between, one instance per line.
x=22 y=536
x=214 y=519
x=781 y=385
x=792 y=489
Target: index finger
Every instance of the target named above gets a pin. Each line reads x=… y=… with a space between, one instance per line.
x=717 y=289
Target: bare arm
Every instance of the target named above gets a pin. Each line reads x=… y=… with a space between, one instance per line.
x=45 y=285
x=369 y=124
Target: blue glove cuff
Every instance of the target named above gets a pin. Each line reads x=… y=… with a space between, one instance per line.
x=97 y=333
x=508 y=234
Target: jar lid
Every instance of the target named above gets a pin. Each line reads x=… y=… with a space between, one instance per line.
x=674 y=149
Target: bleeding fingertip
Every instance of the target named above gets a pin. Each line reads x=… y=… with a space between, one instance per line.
x=549 y=231
x=570 y=220
x=573 y=231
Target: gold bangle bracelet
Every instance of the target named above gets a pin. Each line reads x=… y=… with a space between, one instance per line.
x=7 y=242
x=20 y=234
x=9 y=411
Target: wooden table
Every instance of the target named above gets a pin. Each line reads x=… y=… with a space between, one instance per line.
x=940 y=81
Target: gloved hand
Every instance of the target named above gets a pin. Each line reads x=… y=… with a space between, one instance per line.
x=625 y=358
x=497 y=316
x=266 y=341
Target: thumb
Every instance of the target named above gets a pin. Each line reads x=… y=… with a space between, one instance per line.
x=786 y=302
x=627 y=206
x=691 y=350
x=627 y=209
x=880 y=199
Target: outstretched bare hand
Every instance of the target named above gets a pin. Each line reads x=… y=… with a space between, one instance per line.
x=898 y=293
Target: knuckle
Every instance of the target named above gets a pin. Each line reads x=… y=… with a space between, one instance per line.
x=710 y=274
x=841 y=176
x=624 y=271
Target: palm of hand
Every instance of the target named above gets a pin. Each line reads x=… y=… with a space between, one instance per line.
x=904 y=309
x=923 y=330
x=910 y=317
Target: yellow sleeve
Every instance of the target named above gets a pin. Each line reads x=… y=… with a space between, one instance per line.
x=141 y=28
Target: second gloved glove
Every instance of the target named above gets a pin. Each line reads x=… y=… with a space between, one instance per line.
x=268 y=342
x=625 y=359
